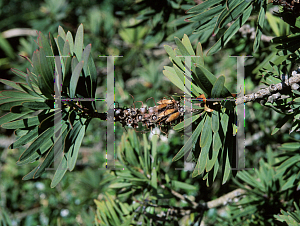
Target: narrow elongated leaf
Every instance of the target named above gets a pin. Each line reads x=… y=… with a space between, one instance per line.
x=293 y=146
x=73 y=154
x=274 y=23
x=85 y=56
x=78 y=47
x=237 y=8
x=12 y=84
x=69 y=38
x=146 y=155
x=113 y=213
x=245 y=176
x=10 y=117
x=9 y=104
x=25 y=123
x=226 y=165
x=182 y=185
x=288 y=163
x=207 y=15
x=33 y=80
x=19 y=73
x=224 y=123
x=93 y=74
x=4 y=100
x=47 y=146
x=231 y=31
x=20 y=109
x=74 y=79
x=30 y=175
x=47 y=69
x=60 y=172
x=60 y=44
x=206 y=78
x=130 y=155
x=203 y=6
x=260 y=25
x=46 y=135
x=52 y=153
x=173 y=57
x=154 y=178
x=173 y=77
x=43 y=87
x=33 y=83
x=195 y=89
x=216 y=169
x=206 y=134
x=47 y=48
x=20 y=95
x=181 y=47
x=49 y=121
x=284 y=120
x=66 y=49
x=190 y=143
x=74 y=63
x=206 y=27
x=181 y=125
x=71 y=136
x=53 y=45
x=120 y=185
x=31 y=135
x=187 y=44
x=218 y=87
x=61 y=33
x=199 y=52
x=22 y=132
x=202 y=159
x=215 y=121
x=66 y=70
x=37 y=105
x=217 y=145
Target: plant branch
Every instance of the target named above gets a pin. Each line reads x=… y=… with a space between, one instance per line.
x=20 y=215
x=272 y=92
x=15 y=32
x=221 y=201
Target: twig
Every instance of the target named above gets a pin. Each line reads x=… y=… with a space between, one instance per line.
x=19 y=215
x=272 y=89
x=19 y=32
x=221 y=201
x=180 y=196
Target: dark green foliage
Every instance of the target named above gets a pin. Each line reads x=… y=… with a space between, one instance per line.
x=211 y=17
x=51 y=139
x=291 y=218
x=217 y=147
x=141 y=188
x=146 y=190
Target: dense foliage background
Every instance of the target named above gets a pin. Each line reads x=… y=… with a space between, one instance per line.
x=138 y=31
